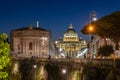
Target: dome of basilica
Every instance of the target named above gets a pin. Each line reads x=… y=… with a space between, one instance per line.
x=70 y=34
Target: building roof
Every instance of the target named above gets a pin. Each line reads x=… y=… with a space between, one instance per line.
x=71 y=32
x=30 y=28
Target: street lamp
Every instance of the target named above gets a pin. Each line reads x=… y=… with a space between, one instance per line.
x=90 y=30
x=35 y=66
x=93 y=18
x=64 y=71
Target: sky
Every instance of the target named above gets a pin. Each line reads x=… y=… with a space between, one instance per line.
x=54 y=15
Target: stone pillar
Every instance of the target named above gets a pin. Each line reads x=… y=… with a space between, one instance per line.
x=81 y=72
x=15 y=69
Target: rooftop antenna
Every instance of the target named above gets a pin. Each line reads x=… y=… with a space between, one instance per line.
x=37 y=24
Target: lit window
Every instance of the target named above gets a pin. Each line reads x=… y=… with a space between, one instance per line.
x=44 y=38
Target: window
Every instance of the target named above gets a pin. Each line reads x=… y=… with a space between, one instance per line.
x=19 y=47
x=30 y=46
x=30 y=52
x=18 y=52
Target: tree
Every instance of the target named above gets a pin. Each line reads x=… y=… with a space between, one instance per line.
x=112 y=27
x=4 y=57
x=107 y=27
x=105 y=50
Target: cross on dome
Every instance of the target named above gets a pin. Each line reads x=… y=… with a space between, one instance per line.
x=71 y=27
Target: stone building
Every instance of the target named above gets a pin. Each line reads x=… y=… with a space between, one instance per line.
x=70 y=44
x=30 y=42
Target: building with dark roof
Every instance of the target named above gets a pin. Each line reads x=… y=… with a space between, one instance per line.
x=28 y=42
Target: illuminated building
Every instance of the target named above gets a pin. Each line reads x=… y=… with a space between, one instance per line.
x=70 y=44
x=30 y=42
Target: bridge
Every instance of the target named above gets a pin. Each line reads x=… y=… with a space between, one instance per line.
x=76 y=64
x=73 y=61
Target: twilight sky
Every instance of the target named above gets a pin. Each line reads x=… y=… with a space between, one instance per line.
x=54 y=15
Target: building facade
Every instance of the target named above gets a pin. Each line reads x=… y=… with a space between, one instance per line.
x=30 y=42
x=70 y=44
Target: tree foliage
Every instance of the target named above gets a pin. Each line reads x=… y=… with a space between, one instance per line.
x=106 y=27
x=105 y=50
x=4 y=57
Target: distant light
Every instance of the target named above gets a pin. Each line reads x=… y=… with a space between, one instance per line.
x=60 y=49
x=56 y=57
x=107 y=39
x=90 y=28
x=35 y=66
x=63 y=71
x=94 y=19
x=56 y=42
x=84 y=42
x=44 y=38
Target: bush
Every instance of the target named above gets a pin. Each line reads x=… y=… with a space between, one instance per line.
x=105 y=50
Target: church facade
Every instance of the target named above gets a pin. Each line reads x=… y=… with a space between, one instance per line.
x=70 y=44
x=30 y=42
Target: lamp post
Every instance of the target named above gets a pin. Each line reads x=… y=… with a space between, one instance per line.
x=93 y=18
x=35 y=66
x=90 y=29
x=64 y=71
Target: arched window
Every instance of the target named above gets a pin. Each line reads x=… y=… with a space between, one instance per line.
x=30 y=46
